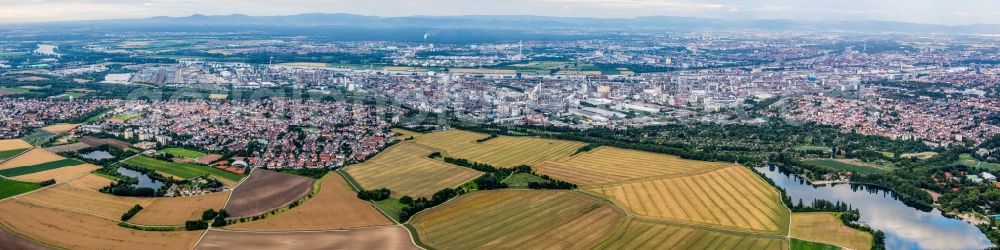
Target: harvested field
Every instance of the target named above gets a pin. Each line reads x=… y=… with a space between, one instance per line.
x=60 y=128
x=405 y=169
x=643 y=234
x=518 y=219
x=609 y=165
x=12 y=144
x=732 y=197
x=169 y=211
x=68 y=147
x=58 y=174
x=70 y=198
x=96 y=142
x=44 y=167
x=335 y=207
x=384 y=237
x=503 y=151
x=825 y=227
x=12 y=241
x=90 y=182
x=34 y=157
x=72 y=230
x=264 y=191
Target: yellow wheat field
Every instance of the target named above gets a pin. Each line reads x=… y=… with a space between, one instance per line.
x=826 y=227
x=646 y=234
x=71 y=230
x=59 y=174
x=12 y=144
x=90 y=182
x=518 y=219
x=731 y=197
x=405 y=170
x=60 y=128
x=34 y=157
x=169 y=211
x=609 y=164
x=71 y=198
x=504 y=151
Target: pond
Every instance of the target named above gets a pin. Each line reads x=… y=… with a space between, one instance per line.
x=144 y=181
x=98 y=155
x=905 y=226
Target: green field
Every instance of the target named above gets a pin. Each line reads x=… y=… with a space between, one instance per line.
x=830 y=163
x=9 y=188
x=18 y=171
x=11 y=153
x=127 y=116
x=181 y=152
x=390 y=207
x=182 y=170
x=521 y=180
x=13 y=91
x=969 y=161
x=813 y=148
x=798 y=244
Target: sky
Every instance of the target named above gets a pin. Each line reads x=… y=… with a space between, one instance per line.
x=950 y=12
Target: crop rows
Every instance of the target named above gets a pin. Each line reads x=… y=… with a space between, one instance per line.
x=730 y=197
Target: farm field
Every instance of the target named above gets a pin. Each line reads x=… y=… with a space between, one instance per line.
x=70 y=198
x=845 y=164
x=60 y=128
x=826 y=227
x=90 y=182
x=405 y=170
x=59 y=174
x=503 y=151
x=518 y=219
x=336 y=206
x=34 y=157
x=813 y=148
x=48 y=166
x=169 y=211
x=12 y=144
x=73 y=230
x=391 y=207
x=264 y=191
x=4 y=155
x=183 y=170
x=645 y=234
x=184 y=153
x=732 y=197
x=68 y=147
x=11 y=188
x=383 y=237
x=13 y=241
x=797 y=244
x=921 y=155
x=608 y=165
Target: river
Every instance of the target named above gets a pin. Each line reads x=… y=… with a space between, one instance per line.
x=905 y=227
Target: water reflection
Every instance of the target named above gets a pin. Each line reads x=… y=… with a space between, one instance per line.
x=905 y=226
x=144 y=181
x=97 y=155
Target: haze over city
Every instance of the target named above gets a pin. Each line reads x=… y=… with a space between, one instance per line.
x=917 y=11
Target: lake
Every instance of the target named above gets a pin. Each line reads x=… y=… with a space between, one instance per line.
x=97 y=155
x=144 y=181
x=905 y=227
